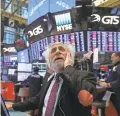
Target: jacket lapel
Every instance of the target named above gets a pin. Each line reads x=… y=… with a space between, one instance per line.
x=63 y=90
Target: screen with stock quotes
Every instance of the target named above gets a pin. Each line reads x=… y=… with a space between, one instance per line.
x=76 y=39
x=104 y=40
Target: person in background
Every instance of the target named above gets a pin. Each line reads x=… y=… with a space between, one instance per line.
x=34 y=82
x=67 y=92
x=84 y=63
x=89 y=59
x=113 y=81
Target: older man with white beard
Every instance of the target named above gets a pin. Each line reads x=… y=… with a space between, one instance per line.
x=67 y=92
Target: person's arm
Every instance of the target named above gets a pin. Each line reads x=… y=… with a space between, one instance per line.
x=82 y=84
x=116 y=83
x=47 y=74
x=26 y=81
x=30 y=104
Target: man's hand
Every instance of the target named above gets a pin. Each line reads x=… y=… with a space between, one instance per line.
x=18 y=84
x=88 y=55
x=85 y=98
x=103 y=84
x=68 y=61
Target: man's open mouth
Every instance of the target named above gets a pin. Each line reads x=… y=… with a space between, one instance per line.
x=59 y=58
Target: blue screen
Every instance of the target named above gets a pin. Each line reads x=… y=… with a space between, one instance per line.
x=4 y=71
x=37 y=48
x=118 y=13
x=114 y=10
x=10 y=58
x=76 y=39
x=59 y=5
x=23 y=56
x=4 y=78
x=1 y=61
x=38 y=8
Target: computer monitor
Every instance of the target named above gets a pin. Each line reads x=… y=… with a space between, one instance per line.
x=4 y=71
x=4 y=78
x=11 y=71
x=25 y=67
x=23 y=56
x=107 y=41
x=22 y=76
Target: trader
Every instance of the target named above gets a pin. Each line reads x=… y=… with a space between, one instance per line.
x=34 y=81
x=113 y=81
x=68 y=91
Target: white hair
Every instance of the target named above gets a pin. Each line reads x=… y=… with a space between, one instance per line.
x=69 y=47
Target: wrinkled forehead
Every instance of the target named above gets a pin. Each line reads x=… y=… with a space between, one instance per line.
x=57 y=45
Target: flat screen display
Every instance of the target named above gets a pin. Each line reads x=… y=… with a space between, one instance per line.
x=80 y=43
x=11 y=58
x=4 y=78
x=5 y=71
x=11 y=71
x=105 y=41
x=61 y=23
x=37 y=48
x=1 y=61
x=118 y=13
x=64 y=38
x=24 y=67
x=22 y=76
x=23 y=56
x=76 y=39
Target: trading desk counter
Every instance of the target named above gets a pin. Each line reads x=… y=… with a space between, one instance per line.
x=109 y=111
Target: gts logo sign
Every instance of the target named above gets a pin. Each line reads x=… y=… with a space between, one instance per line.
x=63 y=22
x=10 y=49
x=36 y=31
x=106 y=19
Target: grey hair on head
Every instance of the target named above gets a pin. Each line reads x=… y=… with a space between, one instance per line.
x=69 y=47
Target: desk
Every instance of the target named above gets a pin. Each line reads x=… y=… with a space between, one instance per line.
x=110 y=110
x=100 y=89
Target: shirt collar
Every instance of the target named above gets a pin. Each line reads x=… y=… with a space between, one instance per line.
x=51 y=76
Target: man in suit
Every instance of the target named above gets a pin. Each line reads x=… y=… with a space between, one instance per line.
x=68 y=91
x=113 y=81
